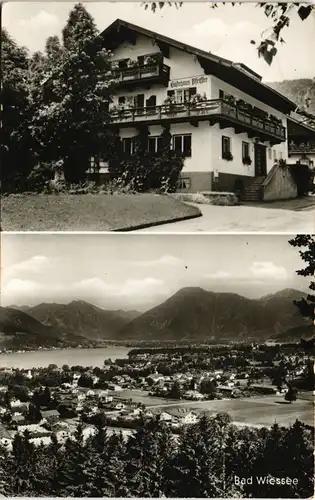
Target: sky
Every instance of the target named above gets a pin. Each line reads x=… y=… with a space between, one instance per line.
x=226 y=31
x=140 y=271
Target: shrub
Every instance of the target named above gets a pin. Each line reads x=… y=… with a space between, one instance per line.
x=144 y=171
x=194 y=198
x=39 y=176
x=303 y=177
x=226 y=200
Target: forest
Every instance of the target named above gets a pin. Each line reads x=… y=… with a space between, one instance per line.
x=204 y=460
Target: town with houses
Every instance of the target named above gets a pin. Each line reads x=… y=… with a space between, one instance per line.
x=176 y=384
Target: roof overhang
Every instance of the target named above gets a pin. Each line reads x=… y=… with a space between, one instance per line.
x=299 y=129
x=235 y=74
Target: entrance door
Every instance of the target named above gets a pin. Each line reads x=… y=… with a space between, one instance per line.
x=260 y=160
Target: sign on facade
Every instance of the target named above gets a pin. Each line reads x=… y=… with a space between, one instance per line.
x=187 y=82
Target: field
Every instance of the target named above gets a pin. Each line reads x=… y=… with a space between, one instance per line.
x=90 y=212
x=256 y=411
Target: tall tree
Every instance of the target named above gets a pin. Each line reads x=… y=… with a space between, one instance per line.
x=16 y=146
x=306 y=245
x=73 y=122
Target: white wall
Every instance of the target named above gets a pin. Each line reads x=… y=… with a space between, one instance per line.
x=183 y=67
x=217 y=84
x=281 y=150
x=143 y=46
x=200 y=160
x=206 y=140
x=235 y=166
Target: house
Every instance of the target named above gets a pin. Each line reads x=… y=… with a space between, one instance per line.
x=104 y=397
x=90 y=393
x=194 y=395
x=119 y=406
x=301 y=141
x=114 y=387
x=18 y=419
x=5 y=436
x=155 y=378
x=183 y=417
x=49 y=415
x=227 y=125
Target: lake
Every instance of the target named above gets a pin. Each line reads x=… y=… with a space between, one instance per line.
x=59 y=357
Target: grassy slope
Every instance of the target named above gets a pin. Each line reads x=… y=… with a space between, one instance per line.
x=89 y=212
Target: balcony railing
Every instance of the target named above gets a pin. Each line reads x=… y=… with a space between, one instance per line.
x=156 y=72
x=217 y=109
x=302 y=148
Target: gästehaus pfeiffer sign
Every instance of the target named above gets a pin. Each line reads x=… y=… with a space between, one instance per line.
x=187 y=82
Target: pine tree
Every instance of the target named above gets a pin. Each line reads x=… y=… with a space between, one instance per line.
x=148 y=451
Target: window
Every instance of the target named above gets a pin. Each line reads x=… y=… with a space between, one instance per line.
x=182 y=144
x=121 y=100
x=141 y=60
x=226 y=148
x=98 y=166
x=274 y=154
x=225 y=95
x=182 y=95
x=154 y=144
x=122 y=64
x=128 y=146
x=184 y=183
x=269 y=154
x=226 y=145
x=245 y=149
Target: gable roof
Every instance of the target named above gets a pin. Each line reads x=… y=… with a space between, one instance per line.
x=236 y=74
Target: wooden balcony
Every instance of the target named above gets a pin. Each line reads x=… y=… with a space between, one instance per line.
x=302 y=148
x=215 y=111
x=150 y=73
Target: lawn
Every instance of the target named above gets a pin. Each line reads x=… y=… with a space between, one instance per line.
x=260 y=411
x=90 y=212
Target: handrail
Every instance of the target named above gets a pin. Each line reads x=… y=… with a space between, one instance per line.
x=301 y=149
x=220 y=106
x=138 y=70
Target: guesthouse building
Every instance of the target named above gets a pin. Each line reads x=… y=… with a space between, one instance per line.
x=301 y=142
x=228 y=125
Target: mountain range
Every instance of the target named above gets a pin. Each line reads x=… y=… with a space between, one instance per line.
x=297 y=90
x=51 y=324
x=194 y=313
x=189 y=314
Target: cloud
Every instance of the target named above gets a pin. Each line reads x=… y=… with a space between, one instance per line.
x=132 y=291
x=218 y=275
x=129 y=288
x=34 y=265
x=165 y=260
x=258 y=272
x=41 y=20
x=268 y=270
